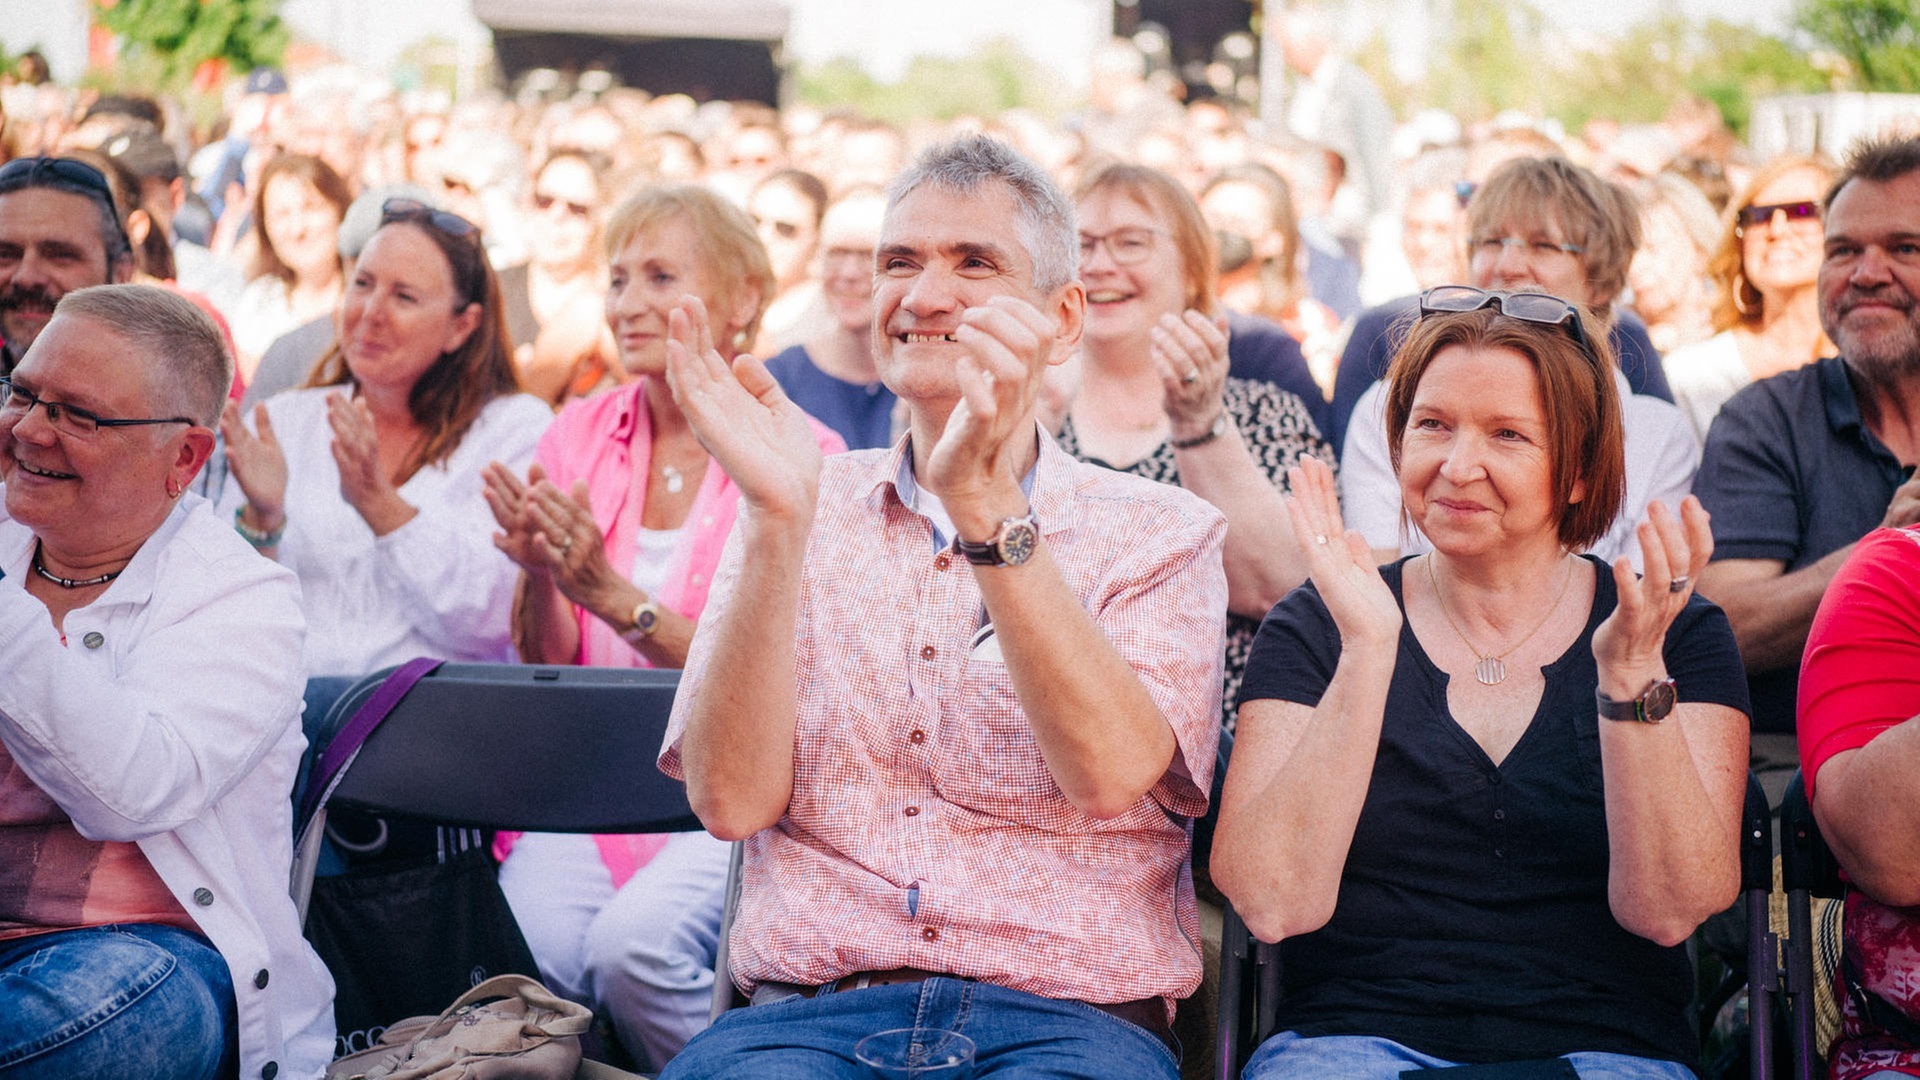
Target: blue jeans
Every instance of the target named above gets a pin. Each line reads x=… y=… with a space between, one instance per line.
x=137 y=999
x=1017 y=1034
x=1368 y=1057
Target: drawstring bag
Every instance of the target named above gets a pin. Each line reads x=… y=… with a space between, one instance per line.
x=509 y=1027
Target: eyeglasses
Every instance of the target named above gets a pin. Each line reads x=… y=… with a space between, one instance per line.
x=1534 y=307
x=1126 y=247
x=412 y=212
x=1496 y=246
x=544 y=203
x=16 y=400
x=1755 y=216
x=26 y=172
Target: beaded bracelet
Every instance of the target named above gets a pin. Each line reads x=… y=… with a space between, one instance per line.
x=260 y=540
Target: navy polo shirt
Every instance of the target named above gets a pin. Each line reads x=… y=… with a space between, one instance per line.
x=1262 y=350
x=1790 y=472
x=1378 y=331
x=862 y=413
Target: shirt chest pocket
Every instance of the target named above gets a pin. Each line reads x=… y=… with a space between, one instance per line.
x=988 y=758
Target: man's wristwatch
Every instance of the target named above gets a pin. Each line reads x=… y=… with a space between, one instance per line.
x=646 y=619
x=1011 y=545
x=1651 y=707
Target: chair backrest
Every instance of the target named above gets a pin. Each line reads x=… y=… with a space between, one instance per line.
x=1249 y=995
x=1807 y=869
x=510 y=746
x=516 y=746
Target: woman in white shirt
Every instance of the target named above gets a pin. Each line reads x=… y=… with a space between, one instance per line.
x=295 y=277
x=367 y=483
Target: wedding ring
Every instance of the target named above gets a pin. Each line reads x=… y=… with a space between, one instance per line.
x=1678 y=584
x=1320 y=538
x=1193 y=376
x=566 y=543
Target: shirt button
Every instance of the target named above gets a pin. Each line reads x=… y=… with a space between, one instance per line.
x=1499 y=853
x=930 y=933
x=928 y=652
x=942 y=561
x=93 y=639
x=917 y=737
x=1499 y=815
x=911 y=811
x=203 y=896
x=270 y=1070
x=260 y=979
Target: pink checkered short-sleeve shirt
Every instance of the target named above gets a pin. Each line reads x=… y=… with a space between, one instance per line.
x=925 y=829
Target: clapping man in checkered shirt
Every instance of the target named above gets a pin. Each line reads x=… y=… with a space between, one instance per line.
x=959 y=697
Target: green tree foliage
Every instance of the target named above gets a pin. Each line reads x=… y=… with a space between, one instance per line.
x=1879 y=39
x=177 y=36
x=993 y=78
x=1504 y=54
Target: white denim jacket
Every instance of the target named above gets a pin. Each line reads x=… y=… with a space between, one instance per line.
x=171 y=719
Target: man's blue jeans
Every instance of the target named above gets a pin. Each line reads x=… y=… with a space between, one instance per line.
x=1017 y=1034
x=129 y=1000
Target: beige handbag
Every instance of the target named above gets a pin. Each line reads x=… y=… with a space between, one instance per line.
x=509 y=1027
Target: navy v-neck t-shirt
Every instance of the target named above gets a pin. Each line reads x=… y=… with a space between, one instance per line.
x=1472 y=921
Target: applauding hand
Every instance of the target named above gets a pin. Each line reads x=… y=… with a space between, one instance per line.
x=1339 y=561
x=741 y=416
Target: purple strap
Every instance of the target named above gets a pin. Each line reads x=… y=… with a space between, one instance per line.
x=346 y=742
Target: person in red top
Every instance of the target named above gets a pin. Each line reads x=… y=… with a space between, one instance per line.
x=959 y=697
x=1859 y=729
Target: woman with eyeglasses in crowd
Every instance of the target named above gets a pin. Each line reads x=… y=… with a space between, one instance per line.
x=553 y=299
x=367 y=482
x=1767 y=312
x=617 y=530
x=148 y=721
x=1154 y=396
x=1483 y=795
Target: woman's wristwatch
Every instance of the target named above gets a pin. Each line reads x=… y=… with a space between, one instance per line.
x=645 y=620
x=1651 y=707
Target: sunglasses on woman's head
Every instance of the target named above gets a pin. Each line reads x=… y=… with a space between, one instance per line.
x=1534 y=307
x=413 y=212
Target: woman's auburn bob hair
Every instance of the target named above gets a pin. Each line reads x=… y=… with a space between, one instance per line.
x=1586 y=441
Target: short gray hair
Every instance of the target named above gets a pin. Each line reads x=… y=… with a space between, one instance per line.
x=1045 y=222
x=185 y=359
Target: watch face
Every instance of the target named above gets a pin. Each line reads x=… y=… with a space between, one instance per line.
x=646 y=620
x=1658 y=701
x=1016 y=542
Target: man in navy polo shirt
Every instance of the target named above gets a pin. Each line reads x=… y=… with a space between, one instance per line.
x=1798 y=467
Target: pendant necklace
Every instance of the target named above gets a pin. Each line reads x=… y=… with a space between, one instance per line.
x=71 y=583
x=1491 y=668
x=673 y=478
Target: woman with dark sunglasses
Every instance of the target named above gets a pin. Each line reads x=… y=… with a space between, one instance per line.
x=1767 y=313
x=1483 y=795
x=367 y=483
x=561 y=344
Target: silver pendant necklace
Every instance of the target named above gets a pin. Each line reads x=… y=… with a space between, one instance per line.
x=1491 y=669
x=673 y=478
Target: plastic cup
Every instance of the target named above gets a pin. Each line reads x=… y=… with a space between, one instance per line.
x=916 y=1054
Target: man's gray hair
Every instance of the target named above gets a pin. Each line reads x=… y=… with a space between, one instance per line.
x=1045 y=216
x=182 y=353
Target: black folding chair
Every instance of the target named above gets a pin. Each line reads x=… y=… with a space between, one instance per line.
x=508 y=746
x=1807 y=870
x=1249 y=995
x=1761 y=971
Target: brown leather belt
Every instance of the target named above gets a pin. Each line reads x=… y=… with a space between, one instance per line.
x=1149 y=1013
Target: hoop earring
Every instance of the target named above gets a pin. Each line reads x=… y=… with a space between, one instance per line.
x=1739 y=292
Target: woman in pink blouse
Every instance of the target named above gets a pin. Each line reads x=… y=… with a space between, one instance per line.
x=617 y=530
